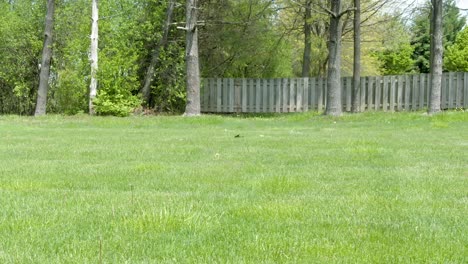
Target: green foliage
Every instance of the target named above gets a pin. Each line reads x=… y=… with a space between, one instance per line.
x=453 y=22
x=69 y=94
x=242 y=39
x=21 y=37
x=168 y=88
x=116 y=103
x=396 y=61
x=456 y=56
x=118 y=82
x=395 y=55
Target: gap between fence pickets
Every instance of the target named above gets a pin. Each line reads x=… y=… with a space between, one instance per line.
x=387 y=93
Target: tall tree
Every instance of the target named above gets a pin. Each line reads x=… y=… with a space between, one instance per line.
x=436 y=56
x=41 y=103
x=357 y=57
x=307 y=39
x=146 y=90
x=94 y=55
x=334 y=106
x=192 y=107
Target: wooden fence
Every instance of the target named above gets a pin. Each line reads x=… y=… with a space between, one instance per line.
x=387 y=93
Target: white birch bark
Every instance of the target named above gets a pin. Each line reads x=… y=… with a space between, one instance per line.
x=93 y=57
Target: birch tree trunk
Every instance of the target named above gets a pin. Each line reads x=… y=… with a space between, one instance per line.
x=192 y=107
x=146 y=90
x=94 y=55
x=357 y=57
x=436 y=57
x=334 y=61
x=307 y=39
x=41 y=103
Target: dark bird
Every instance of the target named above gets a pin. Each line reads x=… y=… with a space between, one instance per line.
x=237 y=136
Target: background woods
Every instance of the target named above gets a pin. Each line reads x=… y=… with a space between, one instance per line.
x=141 y=48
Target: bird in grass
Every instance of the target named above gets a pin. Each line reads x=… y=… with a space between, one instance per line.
x=237 y=136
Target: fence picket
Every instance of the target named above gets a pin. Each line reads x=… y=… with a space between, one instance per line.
x=422 y=91
x=459 y=93
x=349 y=86
x=299 y=92
x=400 y=93
x=277 y=95
x=378 y=93
x=443 y=100
x=415 y=93
x=244 y=95
x=320 y=95
x=385 y=93
x=392 y=93
x=258 y=95
x=451 y=90
x=407 y=92
x=312 y=88
x=363 y=93
x=370 y=94
x=465 y=90
x=305 y=103
x=285 y=88
x=264 y=103
x=292 y=94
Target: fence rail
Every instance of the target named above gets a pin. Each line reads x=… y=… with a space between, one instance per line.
x=385 y=93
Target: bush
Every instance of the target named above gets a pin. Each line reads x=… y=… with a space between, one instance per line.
x=115 y=104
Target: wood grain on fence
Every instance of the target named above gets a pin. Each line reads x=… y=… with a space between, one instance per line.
x=387 y=93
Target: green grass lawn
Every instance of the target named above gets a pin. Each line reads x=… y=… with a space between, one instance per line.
x=368 y=188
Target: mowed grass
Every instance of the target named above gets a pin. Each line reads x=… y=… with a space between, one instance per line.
x=299 y=188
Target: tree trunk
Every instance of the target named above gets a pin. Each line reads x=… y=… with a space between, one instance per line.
x=436 y=57
x=146 y=90
x=334 y=62
x=41 y=103
x=94 y=55
x=307 y=39
x=357 y=57
x=192 y=107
